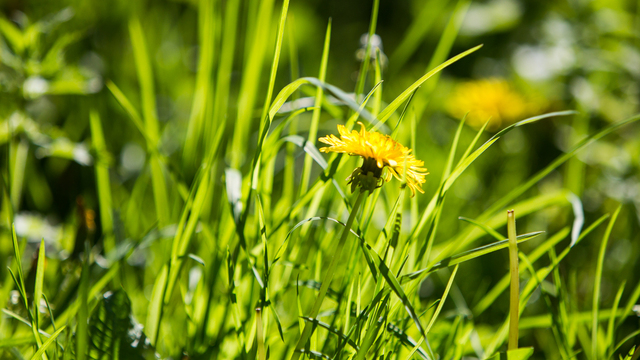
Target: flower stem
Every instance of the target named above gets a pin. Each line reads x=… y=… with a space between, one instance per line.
x=514 y=299
x=326 y=281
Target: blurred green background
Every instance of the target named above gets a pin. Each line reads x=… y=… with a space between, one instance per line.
x=563 y=55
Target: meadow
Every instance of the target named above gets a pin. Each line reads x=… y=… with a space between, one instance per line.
x=261 y=179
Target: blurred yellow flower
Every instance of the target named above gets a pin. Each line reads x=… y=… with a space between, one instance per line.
x=379 y=151
x=490 y=100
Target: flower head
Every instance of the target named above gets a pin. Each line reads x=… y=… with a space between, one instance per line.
x=489 y=99
x=379 y=151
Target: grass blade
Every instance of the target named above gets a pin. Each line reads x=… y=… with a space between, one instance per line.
x=225 y=67
x=196 y=125
x=82 y=337
x=151 y=126
x=505 y=200
x=415 y=35
x=596 y=284
x=437 y=312
x=254 y=57
x=45 y=346
x=502 y=285
x=610 y=328
x=102 y=181
x=37 y=292
x=315 y=118
x=395 y=104
x=467 y=255
x=444 y=297
x=128 y=107
x=364 y=65
x=145 y=76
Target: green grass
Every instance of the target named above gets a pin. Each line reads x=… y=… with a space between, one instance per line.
x=234 y=237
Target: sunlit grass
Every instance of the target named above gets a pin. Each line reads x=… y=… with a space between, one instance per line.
x=247 y=242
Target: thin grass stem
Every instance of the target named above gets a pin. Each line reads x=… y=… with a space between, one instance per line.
x=514 y=300
x=306 y=332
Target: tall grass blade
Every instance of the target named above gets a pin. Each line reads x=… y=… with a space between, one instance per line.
x=467 y=255
x=82 y=337
x=223 y=81
x=254 y=58
x=447 y=40
x=102 y=180
x=364 y=65
x=315 y=118
x=597 y=282
x=506 y=199
x=196 y=126
x=37 y=292
x=611 y=329
x=418 y=30
x=151 y=126
x=134 y=116
x=395 y=104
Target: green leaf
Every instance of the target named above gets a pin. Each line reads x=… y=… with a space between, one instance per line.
x=186 y=228
x=394 y=284
x=467 y=255
x=395 y=104
x=151 y=126
x=201 y=98
x=597 y=282
x=513 y=194
x=112 y=333
x=128 y=107
x=418 y=30
x=12 y=34
x=152 y=327
x=82 y=336
x=103 y=182
x=18 y=256
x=502 y=285
x=442 y=300
x=496 y=235
x=95 y=290
x=520 y=354
x=41 y=352
x=468 y=160
x=516 y=354
x=315 y=118
x=37 y=292
x=145 y=76
x=332 y=330
x=614 y=310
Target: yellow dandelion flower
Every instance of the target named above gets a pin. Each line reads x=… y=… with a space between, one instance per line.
x=489 y=99
x=379 y=151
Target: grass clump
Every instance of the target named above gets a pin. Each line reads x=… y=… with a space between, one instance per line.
x=177 y=203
